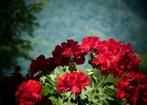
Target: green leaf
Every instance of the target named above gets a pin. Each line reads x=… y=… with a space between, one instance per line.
x=68 y=94
x=83 y=95
x=46 y=90
x=109 y=91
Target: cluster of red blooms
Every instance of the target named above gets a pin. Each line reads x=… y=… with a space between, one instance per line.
x=40 y=65
x=61 y=57
x=89 y=44
x=110 y=57
x=29 y=93
x=133 y=87
x=65 y=51
x=116 y=58
x=74 y=82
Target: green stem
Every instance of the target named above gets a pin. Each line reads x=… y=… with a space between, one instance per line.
x=72 y=66
x=79 y=101
x=101 y=82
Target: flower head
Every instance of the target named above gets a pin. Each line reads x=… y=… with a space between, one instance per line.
x=74 y=82
x=39 y=65
x=62 y=53
x=133 y=87
x=28 y=93
x=89 y=43
x=115 y=58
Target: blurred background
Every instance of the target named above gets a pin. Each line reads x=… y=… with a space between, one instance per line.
x=29 y=28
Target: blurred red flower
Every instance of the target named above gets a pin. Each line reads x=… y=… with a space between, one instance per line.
x=133 y=87
x=29 y=93
x=74 y=82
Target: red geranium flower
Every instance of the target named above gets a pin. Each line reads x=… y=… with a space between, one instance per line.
x=89 y=43
x=29 y=93
x=115 y=58
x=133 y=87
x=74 y=82
x=40 y=65
x=65 y=51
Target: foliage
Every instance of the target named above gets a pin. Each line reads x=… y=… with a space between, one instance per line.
x=103 y=95
x=17 y=21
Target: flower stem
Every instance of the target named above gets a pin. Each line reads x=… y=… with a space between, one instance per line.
x=101 y=82
x=72 y=66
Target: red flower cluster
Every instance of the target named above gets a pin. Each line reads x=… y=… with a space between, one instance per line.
x=74 y=82
x=29 y=93
x=39 y=65
x=65 y=51
x=115 y=58
x=61 y=56
x=133 y=87
x=112 y=57
x=109 y=56
x=89 y=43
